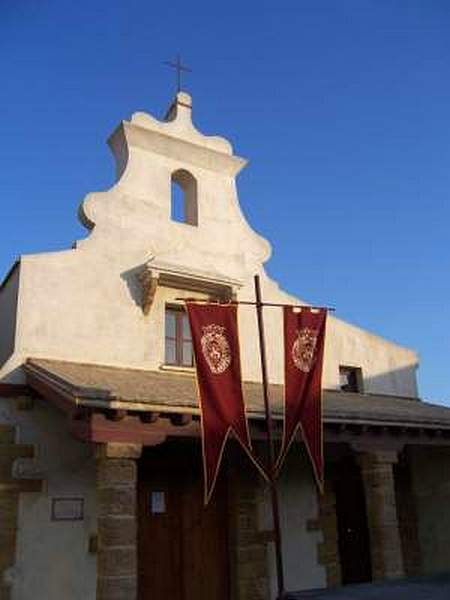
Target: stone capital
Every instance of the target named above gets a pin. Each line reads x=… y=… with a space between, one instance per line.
x=149 y=279
x=118 y=450
x=367 y=460
x=379 y=447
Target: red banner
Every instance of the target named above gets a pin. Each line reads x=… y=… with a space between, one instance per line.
x=304 y=337
x=215 y=342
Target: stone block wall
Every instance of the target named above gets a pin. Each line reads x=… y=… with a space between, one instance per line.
x=248 y=544
x=117 y=568
x=382 y=517
x=430 y=473
x=328 y=550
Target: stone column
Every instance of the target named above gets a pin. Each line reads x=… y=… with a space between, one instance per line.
x=378 y=480
x=248 y=543
x=328 y=548
x=117 y=569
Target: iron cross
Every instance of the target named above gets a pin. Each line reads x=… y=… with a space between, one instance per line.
x=179 y=69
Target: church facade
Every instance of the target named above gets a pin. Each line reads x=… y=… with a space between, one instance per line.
x=100 y=479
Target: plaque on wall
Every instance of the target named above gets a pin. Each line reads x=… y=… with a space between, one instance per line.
x=157 y=503
x=67 y=509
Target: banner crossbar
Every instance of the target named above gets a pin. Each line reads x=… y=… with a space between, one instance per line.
x=250 y=303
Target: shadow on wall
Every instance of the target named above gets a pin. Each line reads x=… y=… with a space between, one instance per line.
x=399 y=382
x=131 y=279
x=8 y=313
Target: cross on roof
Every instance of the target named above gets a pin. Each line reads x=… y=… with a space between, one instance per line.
x=179 y=67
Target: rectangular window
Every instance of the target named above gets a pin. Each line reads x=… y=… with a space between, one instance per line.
x=350 y=379
x=178 y=350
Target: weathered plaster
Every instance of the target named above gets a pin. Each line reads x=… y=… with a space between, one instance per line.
x=52 y=558
x=298 y=506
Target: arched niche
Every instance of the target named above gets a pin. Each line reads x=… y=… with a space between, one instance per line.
x=184 y=202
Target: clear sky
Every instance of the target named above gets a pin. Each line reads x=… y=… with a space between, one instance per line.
x=343 y=109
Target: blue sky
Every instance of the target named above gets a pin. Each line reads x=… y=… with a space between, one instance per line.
x=343 y=109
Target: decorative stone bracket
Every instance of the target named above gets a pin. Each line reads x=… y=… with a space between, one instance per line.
x=149 y=282
x=153 y=275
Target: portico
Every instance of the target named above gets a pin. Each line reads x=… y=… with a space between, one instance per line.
x=365 y=435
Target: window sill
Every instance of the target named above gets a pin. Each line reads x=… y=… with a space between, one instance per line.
x=177 y=369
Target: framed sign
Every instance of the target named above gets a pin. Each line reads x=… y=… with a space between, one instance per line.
x=67 y=509
x=157 y=503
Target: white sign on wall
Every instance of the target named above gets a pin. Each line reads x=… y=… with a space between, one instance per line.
x=157 y=503
x=67 y=509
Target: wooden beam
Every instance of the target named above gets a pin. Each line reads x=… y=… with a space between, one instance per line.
x=152 y=427
x=21 y=485
x=116 y=415
x=149 y=416
x=129 y=430
x=12 y=390
x=16 y=451
x=180 y=420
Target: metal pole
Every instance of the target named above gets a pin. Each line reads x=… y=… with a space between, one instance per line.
x=270 y=443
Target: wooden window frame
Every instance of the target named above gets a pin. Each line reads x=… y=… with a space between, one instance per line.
x=179 y=339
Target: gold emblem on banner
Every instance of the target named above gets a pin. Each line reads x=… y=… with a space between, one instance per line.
x=303 y=349
x=215 y=348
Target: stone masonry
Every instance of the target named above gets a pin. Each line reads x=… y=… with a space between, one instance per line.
x=248 y=544
x=328 y=550
x=117 y=571
x=378 y=480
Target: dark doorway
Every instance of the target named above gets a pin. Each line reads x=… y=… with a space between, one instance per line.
x=407 y=518
x=183 y=546
x=353 y=533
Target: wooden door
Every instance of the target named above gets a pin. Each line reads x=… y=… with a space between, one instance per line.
x=353 y=534
x=183 y=547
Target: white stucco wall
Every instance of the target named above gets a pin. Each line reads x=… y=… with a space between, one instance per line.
x=9 y=295
x=85 y=304
x=298 y=503
x=52 y=557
